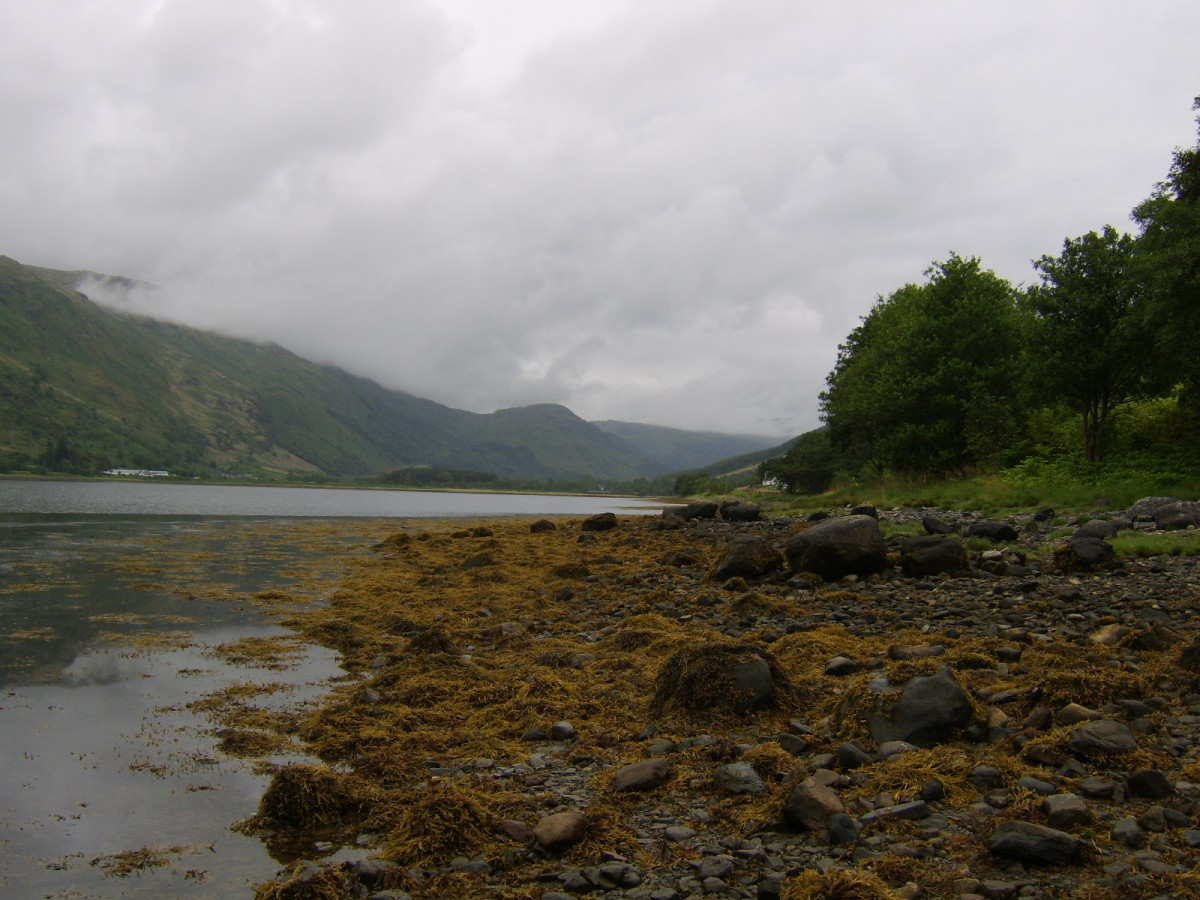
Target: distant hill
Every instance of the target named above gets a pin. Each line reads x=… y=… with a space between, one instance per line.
x=84 y=387
x=676 y=450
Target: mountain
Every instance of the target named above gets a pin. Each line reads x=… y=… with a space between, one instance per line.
x=84 y=387
x=678 y=450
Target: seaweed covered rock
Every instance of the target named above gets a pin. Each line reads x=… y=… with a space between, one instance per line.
x=720 y=679
x=1084 y=554
x=600 y=522
x=747 y=556
x=834 y=548
x=308 y=798
x=737 y=511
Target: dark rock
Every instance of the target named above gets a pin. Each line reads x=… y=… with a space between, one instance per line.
x=933 y=527
x=714 y=679
x=851 y=756
x=1084 y=554
x=865 y=511
x=702 y=510
x=924 y=556
x=928 y=710
x=1032 y=843
x=834 y=548
x=736 y=511
x=1150 y=783
x=992 y=530
x=541 y=526
x=747 y=556
x=1067 y=811
x=1102 y=528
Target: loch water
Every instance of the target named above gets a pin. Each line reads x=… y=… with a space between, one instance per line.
x=121 y=607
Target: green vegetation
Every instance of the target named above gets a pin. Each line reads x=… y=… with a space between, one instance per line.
x=1082 y=389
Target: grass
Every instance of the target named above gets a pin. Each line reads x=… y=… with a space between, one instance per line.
x=1179 y=543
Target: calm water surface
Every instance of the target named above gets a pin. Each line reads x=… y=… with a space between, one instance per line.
x=118 y=602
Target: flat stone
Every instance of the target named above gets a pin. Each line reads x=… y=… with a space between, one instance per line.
x=739 y=778
x=1032 y=843
x=1101 y=737
x=644 y=775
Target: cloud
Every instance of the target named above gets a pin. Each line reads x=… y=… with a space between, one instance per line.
x=668 y=212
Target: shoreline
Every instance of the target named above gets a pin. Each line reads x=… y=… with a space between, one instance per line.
x=502 y=682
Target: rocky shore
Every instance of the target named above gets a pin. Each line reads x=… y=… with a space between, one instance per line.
x=934 y=705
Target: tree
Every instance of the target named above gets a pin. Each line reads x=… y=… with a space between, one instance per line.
x=808 y=466
x=1092 y=338
x=927 y=383
x=1170 y=241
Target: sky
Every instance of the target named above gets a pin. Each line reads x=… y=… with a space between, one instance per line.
x=662 y=211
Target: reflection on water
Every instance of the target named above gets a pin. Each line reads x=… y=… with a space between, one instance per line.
x=112 y=786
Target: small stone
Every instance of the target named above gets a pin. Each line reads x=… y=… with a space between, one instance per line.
x=811 y=805
x=560 y=830
x=1127 y=831
x=739 y=778
x=841 y=665
x=562 y=731
x=677 y=833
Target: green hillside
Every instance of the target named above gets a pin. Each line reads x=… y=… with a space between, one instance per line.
x=83 y=388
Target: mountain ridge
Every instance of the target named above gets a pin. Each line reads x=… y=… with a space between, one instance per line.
x=84 y=386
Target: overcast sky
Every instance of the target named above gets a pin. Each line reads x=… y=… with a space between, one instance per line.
x=665 y=211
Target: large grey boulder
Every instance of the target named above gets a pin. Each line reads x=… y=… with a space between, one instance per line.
x=1180 y=514
x=834 y=548
x=1146 y=508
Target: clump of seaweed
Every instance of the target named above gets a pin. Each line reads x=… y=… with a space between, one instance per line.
x=436 y=823
x=837 y=884
x=306 y=882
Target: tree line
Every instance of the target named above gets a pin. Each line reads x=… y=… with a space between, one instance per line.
x=965 y=371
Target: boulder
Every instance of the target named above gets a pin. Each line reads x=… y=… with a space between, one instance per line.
x=933 y=526
x=1146 y=508
x=834 y=548
x=927 y=711
x=747 y=556
x=737 y=511
x=932 y=555
x=1102 y=528
x=1084 y=554
x=1032 y=843
x=1180 y=514
x=701 y=510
